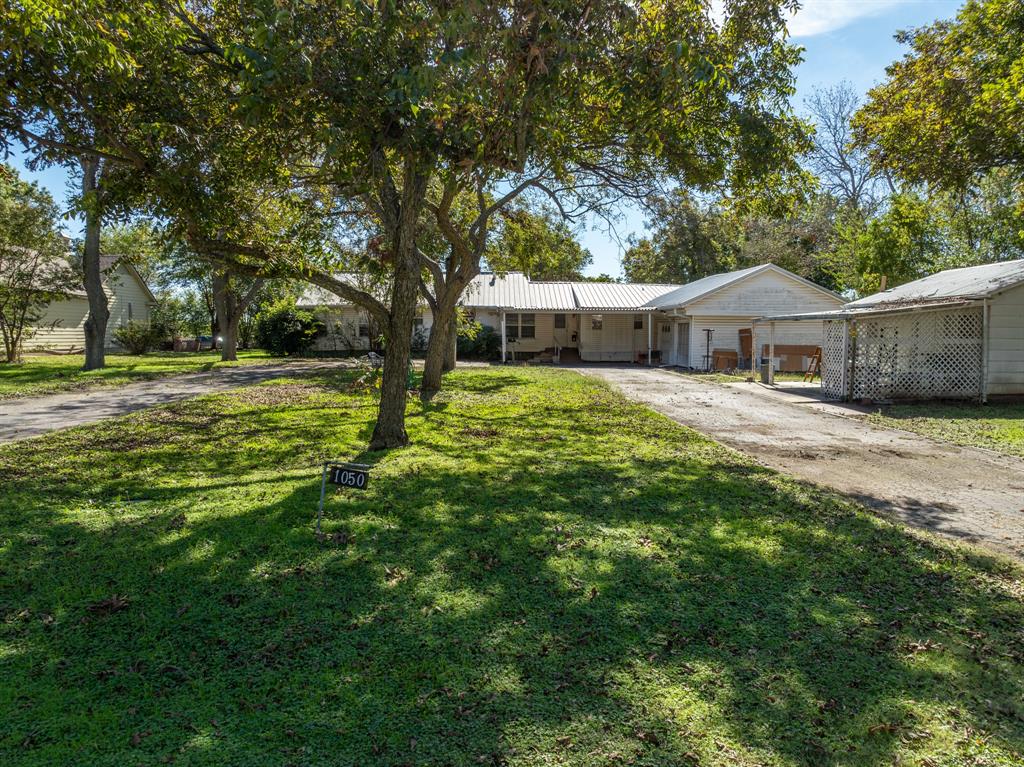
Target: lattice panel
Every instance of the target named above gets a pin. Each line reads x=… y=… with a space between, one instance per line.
x=833 y=359
x=918 y=355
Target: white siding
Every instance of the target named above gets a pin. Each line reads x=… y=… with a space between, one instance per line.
x=727 y=335
x=343 y=328
x=123 y=291
x=546 y=336
x=1006 y=343
x=764 y=294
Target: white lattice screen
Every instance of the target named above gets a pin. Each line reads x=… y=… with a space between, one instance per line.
x=833 y=359
x=918 y=355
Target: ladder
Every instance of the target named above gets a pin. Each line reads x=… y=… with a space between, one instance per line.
x=814 y=366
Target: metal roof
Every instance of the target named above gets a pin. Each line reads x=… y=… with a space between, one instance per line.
x=616 y=296
x=516 y=291
x=966 y=283
x=870 y=311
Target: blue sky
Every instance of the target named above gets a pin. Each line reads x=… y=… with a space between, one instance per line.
x=843 y=40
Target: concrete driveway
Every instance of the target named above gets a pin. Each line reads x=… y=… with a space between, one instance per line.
x=965 y=493
x=30 y=417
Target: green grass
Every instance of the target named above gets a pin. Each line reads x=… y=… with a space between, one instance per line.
x=996 y=426
x=549 y=576
x=742 y=376
x=48 y=374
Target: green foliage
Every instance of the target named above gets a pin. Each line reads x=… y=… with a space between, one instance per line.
x=138 y=337
x=180 y=315
x=549 y=575
x=951 y=109
x=34 y=269
x=902 y=243
x=537 y=242
x=484 y=343
x=281 y=328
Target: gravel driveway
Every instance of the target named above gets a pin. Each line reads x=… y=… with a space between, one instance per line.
x=961 y=492
x=30 y=417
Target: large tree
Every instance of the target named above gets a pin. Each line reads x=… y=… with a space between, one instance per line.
x=536 y=241
x=951 y=109
x=34 y=269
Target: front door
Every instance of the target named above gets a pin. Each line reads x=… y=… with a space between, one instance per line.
x=683 y=345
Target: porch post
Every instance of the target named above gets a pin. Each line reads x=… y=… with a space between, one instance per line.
x=771 y=353
x=504 y=338
x=650 y=339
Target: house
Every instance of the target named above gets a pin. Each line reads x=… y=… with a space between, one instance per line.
x=62 y=326
x=687 y=325
x=957 y=334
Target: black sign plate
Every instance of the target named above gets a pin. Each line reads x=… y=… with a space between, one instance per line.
x=348 y=476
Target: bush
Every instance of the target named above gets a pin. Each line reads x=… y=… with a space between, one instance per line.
x=483 y=344
x=283 y=329
x=137 y=337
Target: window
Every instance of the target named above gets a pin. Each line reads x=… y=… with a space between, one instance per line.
x=596 y=322
x=559 y=322
x=521 y=325
x=638 y=322
x=417 y=324
x=129 y=311
x=665 y=327
x=364 y=329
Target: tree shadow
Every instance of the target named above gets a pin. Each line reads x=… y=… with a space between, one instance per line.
x=550 y=603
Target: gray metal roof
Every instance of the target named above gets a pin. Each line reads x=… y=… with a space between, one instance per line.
x=515 y=291
x=968 y=282
x=616 y=296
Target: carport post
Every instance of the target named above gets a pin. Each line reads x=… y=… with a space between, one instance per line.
x=771 y=353
x=650 y=339
x=753 y=348
x=504 y=338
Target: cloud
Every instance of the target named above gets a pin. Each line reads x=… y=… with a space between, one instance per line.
x=817 y=17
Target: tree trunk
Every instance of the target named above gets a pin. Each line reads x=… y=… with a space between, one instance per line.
x=99 y=311
x=453 y=343
x=226 y=316
x=389 y=431
x=438 y=346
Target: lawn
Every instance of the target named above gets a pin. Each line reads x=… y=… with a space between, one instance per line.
x=549 y=576
x=997 y=426
x=47 y=374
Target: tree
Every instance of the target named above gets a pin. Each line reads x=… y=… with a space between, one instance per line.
x=33 y=260
x=690 y=240
x=77 y=95
x=538 y=243
x=950 y=110
x=580 y=104
x=902 y=244
x=844 y=169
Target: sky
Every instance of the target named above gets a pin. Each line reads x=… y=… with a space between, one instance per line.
x=842 y=40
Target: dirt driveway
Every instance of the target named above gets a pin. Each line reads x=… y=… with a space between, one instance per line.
x=961 y=492
x=32 y=416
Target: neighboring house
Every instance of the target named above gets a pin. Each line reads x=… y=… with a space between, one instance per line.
x=62 y=327
x=956 y=334
x=615 y=322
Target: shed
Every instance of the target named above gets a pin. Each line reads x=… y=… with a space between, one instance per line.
x=957 y=334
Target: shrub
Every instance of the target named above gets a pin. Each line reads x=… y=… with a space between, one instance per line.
x=137 y=337
x=483 y=344
x=281 y=328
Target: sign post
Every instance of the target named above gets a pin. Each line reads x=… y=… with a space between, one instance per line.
x=354 y=475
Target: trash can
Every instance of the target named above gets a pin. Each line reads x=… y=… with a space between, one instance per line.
x=766 y=371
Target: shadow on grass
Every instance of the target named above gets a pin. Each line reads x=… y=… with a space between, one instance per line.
x=557 y=599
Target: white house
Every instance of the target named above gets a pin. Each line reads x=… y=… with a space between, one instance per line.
x=615 y=322
x=62 y=327
x=957 y=334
